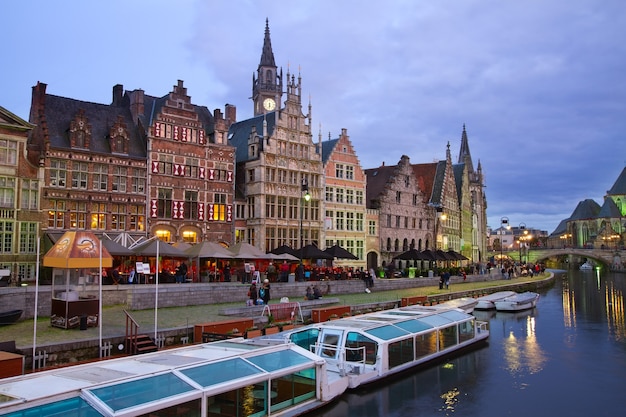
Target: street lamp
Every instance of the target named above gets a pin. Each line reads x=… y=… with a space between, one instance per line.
x=306 y=197
x=504 y=223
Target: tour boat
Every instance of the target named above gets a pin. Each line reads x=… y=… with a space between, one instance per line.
x=285 y=374
x=586 y=267
x=518 y=302
x=487 y=302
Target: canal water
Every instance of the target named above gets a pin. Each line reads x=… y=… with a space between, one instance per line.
x=566 y=357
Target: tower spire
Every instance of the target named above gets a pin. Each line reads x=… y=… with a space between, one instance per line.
x=465 y=157
x=267 y=84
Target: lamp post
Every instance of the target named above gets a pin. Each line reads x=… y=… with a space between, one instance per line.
x=306 y=197
x=504 y=223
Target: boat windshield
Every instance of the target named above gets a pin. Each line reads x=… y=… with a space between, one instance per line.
x=306 y=339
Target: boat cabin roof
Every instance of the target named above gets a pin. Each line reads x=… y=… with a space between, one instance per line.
x=129 y=384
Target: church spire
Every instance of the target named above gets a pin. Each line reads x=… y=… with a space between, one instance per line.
x=267 y=56
x=267 y=83
x=465 y=157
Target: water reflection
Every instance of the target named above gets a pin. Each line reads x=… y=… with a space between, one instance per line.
x=536 y=362
x=522 y=352
x=607 y=309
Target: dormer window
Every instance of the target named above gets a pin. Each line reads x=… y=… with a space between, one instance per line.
x=80 y=131
x=118 y=137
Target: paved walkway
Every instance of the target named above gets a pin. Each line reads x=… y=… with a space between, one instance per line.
x=180 y=317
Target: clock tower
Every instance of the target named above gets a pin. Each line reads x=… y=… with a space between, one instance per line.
x=267 y=83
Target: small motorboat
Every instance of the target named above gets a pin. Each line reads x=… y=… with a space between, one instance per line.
x=467 y=304
x=487 y=302
x=586 y=267
x=518 y=302
x=10 y=317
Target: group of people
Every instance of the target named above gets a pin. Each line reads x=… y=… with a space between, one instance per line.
x=259 y=295
x=313 y=293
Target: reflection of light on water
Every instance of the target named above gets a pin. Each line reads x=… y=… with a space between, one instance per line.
x=450 y=399
x=614 y=304
x=524 y=354
x=569 y=306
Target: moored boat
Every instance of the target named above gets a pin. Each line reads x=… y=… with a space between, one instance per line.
x=285 y=374
x=10 y=317
x=586 y=266
x=487 y=302
x=467 y=304
x=518 y=302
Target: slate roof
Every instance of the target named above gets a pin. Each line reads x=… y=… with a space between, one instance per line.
x=585 y=210
x=60 y=111
x=154 y=106
x=609 y=209
x=239 y=132
x=619 y=188
x=327 y=149
x=458 y=170
x=377 y=179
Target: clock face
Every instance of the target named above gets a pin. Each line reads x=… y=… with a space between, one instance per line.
x=269 y=104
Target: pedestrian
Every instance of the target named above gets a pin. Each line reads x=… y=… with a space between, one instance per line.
x=227 y=272
x=181 y=272
x=309 y=293
x=264 y=292
x=115 y=276
x=300 y=272
x=446 y=279
x=253 y=295
x=284 y=272
x=132 y=275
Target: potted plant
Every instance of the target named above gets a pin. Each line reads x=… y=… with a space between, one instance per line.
x=253 y=332
x=333 y=317
x=271 y=328
x=287 y=325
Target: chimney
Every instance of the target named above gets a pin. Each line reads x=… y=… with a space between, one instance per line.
x=231 y=113
x=136 y=104
x=118 y=91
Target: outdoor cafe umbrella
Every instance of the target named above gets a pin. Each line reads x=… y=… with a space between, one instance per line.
x=312 y=252
x=338 y=252
x=155 y=247
x=412 y=255
x=444 y=256
x=75 y=250
x=457 y=256
x=208 y=249
x=429 y=255
x=115 y=248
x=243 y=250
x=284 y=249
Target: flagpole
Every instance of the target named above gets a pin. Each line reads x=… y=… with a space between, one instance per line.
x=156 y=295
x=100 y=303
x=36 y=302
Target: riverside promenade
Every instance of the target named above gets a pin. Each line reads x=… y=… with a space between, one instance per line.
x=181 y=318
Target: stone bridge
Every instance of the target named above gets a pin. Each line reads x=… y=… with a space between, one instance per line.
x=613 y=258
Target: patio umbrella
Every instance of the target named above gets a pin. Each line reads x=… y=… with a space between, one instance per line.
x=283 y=257
x=338 y=252
x=164 y=249
x=284 y=249
x=243 y=250
x=208 y=250
x=412 y=255
x=430 y=255
x=457 y=256
x=313 y=252
x=444 y=256
x=115 y=248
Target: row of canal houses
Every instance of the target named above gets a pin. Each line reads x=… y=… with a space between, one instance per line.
x=145 y=166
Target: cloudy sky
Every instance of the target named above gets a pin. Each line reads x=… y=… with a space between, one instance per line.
x=539 y=84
